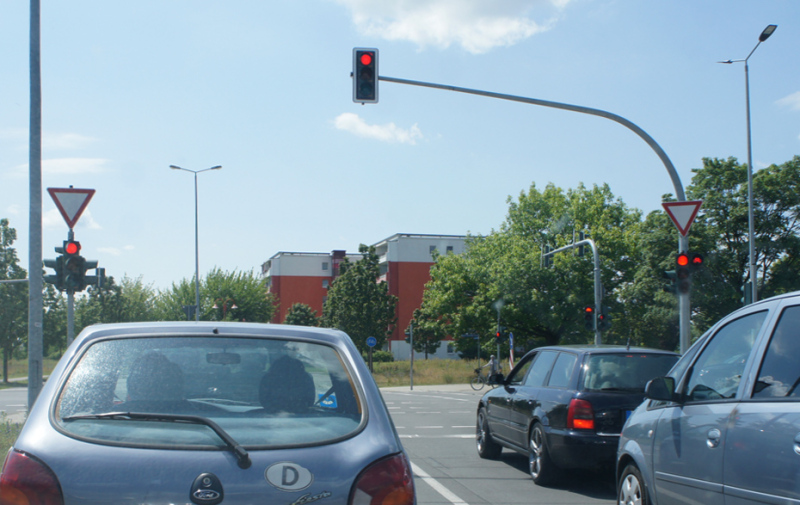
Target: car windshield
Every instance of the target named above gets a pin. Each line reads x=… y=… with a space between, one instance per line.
x=628 y=371
x=261 y=392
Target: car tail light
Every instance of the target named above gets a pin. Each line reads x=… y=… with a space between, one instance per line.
x=27 y=481
x=580 y=415
x=386 y=482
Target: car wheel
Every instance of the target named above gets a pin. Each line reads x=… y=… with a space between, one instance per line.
x=631 y=490
x=541 y=467
x=487 y=448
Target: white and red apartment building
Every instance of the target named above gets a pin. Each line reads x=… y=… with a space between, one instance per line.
x=405 y=264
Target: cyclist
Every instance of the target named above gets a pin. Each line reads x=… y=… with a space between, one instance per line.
x=494 y=366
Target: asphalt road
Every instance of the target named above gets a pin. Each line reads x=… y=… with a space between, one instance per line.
x=437 y=427
x=14 y=403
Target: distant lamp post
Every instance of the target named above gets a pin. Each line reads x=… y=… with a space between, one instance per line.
x=224 y=304
x=769 y=30
x=196 y=246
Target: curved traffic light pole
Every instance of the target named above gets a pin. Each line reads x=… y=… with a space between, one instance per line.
x=683 y=241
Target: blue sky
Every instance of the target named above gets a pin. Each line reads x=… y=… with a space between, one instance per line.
x=263 y=89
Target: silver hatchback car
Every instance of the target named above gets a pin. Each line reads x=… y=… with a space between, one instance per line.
x=209 y=413
x=724 y=425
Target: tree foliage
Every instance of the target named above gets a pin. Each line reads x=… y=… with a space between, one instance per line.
x=13 y=297
x=301 y=314
x=358 y=303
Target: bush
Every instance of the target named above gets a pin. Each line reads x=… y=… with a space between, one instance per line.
x=379 y=357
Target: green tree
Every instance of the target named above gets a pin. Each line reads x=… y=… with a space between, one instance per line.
x=358 y=304
x=13 y=297
x=129 y=301
x=542 y=305
x=236 y=296
x=301 y=314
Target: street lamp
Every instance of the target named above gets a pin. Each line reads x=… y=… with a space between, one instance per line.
x=750 y=224
x=196 y=247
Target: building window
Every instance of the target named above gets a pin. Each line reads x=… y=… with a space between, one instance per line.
x=324 y=283
x=451 y=349
x=432 y=248
x=324 y=265
x=449 y=249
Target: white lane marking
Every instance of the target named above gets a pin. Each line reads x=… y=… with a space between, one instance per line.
x=437 y=486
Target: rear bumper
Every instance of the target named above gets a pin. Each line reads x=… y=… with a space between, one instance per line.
x=574 y=449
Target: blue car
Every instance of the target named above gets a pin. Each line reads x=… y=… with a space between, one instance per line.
x=208 y=413
x=723 y=426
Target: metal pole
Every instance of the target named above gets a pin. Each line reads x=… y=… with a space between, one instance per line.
x=411 y=341
x=36 y=283
x=750 y=221
x=70 y=317
x=196 y=257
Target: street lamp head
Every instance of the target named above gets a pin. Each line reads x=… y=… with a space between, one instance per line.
x=173 y=167
x=216 y=167
x=769 y=30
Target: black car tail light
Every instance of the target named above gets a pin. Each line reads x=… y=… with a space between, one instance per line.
x=27 y=481
x=580 y=415
x=388 y=481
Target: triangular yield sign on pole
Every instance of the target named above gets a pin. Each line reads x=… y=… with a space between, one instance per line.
x=71 y=202
x=682 y=214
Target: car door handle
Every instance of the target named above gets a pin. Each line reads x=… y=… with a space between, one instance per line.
x=714 y=436
x=797 y=444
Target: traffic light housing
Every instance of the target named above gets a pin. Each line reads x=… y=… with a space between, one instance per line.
x=588 y=317
x=683 y=272
x=603 y=319
x=365 y=75
x=56 y=279
x=672 y=277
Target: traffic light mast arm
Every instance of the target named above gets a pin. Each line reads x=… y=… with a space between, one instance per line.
x=598 y=286
x=683 y=241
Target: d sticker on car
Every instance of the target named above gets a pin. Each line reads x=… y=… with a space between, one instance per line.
x=288 y=476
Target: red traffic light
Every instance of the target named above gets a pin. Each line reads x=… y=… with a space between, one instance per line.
x=72 y=248
x=588 y=310
x=697 y=260
x=366 y=58
x=682 y=260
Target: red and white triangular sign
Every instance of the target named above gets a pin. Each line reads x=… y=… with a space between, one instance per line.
x=71 y=202
x=682 y=214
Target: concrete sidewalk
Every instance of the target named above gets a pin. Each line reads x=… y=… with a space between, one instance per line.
x=449 y=388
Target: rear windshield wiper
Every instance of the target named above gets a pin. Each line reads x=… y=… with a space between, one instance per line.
x=237 y=450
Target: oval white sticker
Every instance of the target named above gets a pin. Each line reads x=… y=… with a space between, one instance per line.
x=288 y=476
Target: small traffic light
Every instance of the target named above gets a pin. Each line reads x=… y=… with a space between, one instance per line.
x=747 y=293
x=547 y=260
x=588 y=317
x=683 y=272
x=56 y=279
x=696 y=261
x=90 y=280
x=672 y=277
x=603 y=319
x=365 y=75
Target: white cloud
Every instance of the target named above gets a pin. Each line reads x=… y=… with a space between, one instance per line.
x=115 y=251
x=352 y=123
x=52 y=219
x=792 y=101
x=65 y=141
x=62 y=166
x=477 y=25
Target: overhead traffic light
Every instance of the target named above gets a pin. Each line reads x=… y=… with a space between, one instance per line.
x=365 y=75
x=588 y=317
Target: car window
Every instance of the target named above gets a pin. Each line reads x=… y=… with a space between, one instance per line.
x=627 y=371
x=780 y=371
x=562 y=370
x=718 y=370
x=263 y=392
x=519 y=372
x=540 y=368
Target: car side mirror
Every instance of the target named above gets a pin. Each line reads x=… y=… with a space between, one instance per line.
x=661 y=389
x=497 y=378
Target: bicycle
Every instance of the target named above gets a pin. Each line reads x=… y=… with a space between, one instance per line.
x=478 y=381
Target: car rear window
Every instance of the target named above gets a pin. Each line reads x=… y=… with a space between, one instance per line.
x=262 y=392
x=627 y=372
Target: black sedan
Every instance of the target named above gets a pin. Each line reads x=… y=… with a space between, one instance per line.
x=564 y=406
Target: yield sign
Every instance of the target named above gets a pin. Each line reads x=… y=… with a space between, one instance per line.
x=682 y=214
x=71 y=202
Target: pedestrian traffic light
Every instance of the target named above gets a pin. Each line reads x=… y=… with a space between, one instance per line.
x=683 y=272
x=695 y=261
x=56 y=279
x=365 y=75
x=588 y=317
